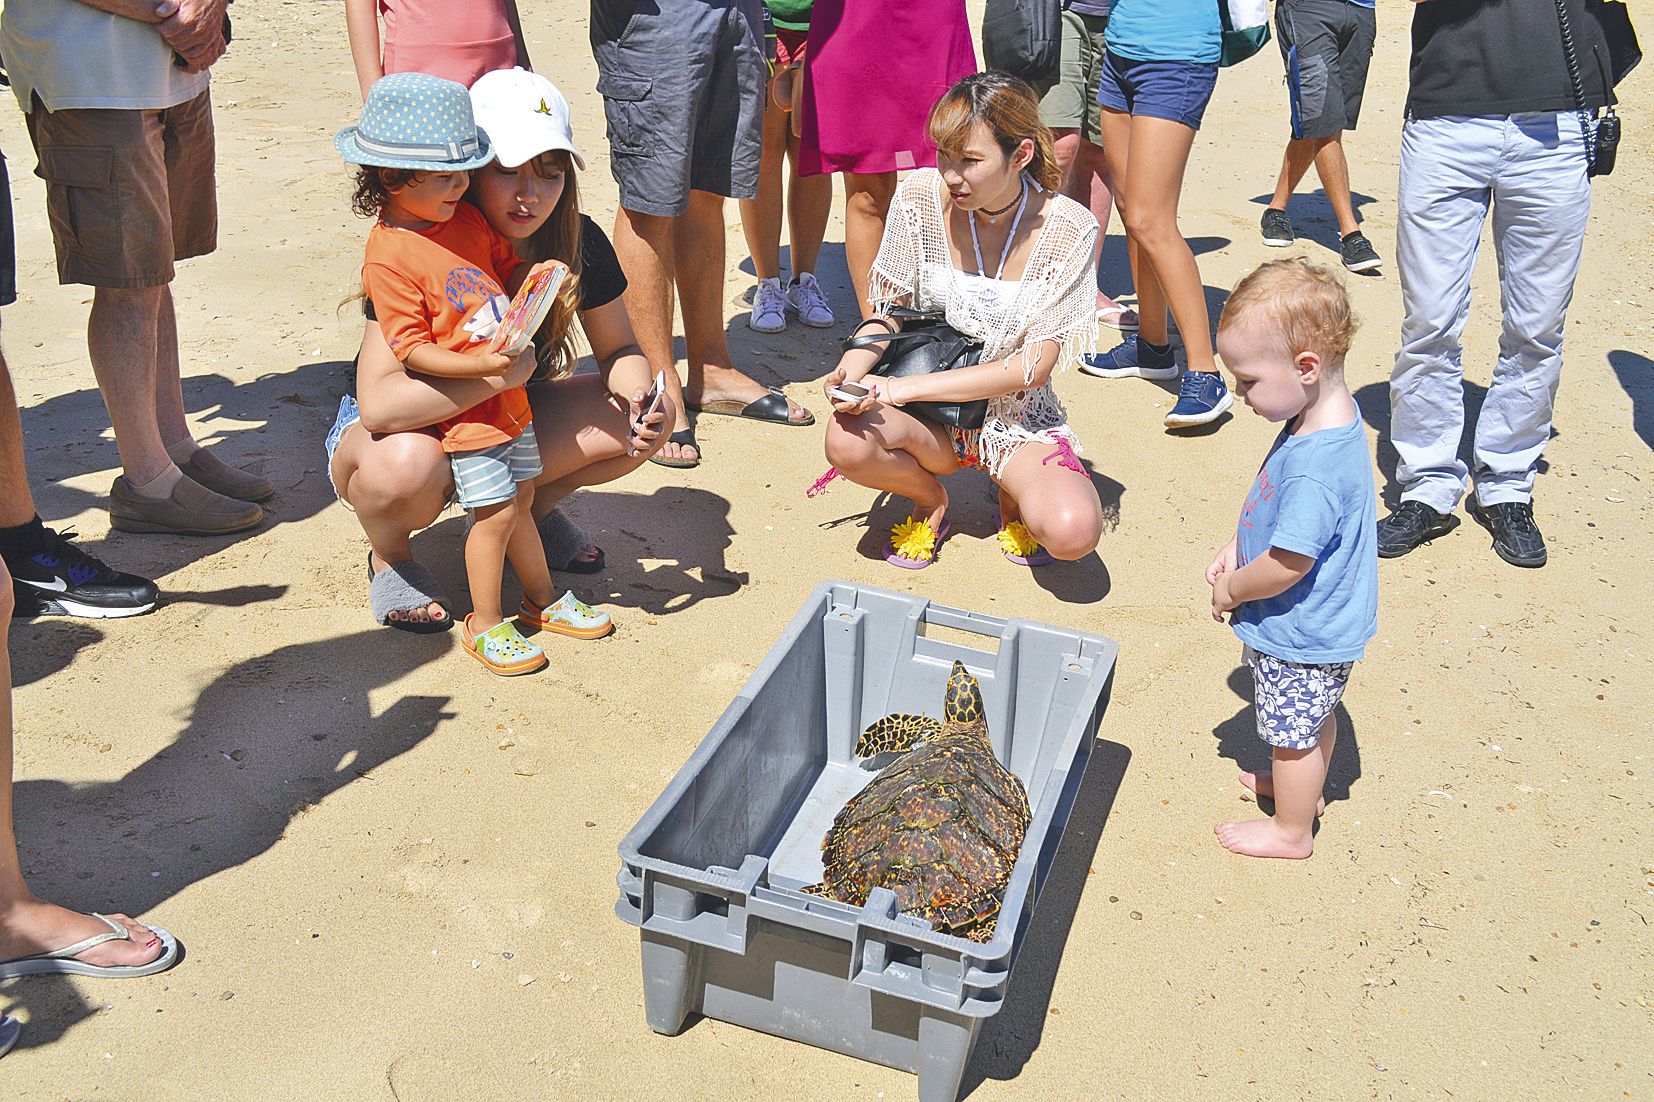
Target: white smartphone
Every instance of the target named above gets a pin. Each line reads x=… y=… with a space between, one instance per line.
x=653 y=399
x=851 y=393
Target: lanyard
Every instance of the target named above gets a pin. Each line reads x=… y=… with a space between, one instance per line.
x=976 y=245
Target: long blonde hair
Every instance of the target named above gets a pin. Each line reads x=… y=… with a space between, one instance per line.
x=1008 y=108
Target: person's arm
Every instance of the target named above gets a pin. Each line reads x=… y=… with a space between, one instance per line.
x=362 y=25
x=983 y=380
x=392 y=400
x=624 y=370
x=143 y=11
x=516 y=22
x=431 y=359
x=1269 y=575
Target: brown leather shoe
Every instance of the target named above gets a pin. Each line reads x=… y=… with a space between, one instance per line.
x=191 y=509
x=221 y=478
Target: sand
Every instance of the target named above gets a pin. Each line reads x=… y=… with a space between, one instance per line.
x=395 y=875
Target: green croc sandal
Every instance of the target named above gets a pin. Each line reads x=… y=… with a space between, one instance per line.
x=568 y=615
x=503 y=650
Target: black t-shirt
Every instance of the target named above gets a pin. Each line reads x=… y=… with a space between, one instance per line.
x=1501 y=57
x=601 y=280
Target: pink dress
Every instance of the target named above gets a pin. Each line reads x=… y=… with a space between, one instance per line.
x=874 y=69
x=454 y=39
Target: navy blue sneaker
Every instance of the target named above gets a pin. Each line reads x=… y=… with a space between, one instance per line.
x=53 y=577
x=1132 y=358
x=1201 y=399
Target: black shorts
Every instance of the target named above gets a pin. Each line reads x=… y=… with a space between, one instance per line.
x=1327 y=45
x=682 y=83
x=8 y=240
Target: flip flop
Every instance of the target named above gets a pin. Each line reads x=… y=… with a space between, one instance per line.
x=502 y=650
x=61 y=962
x=682 y=438
x=568 y=615
x=564 y=540
x=10 y=1030
x=912 y=539
x=1020 y=546
x=404 y=587
x=772 y=407
x=1115 y=318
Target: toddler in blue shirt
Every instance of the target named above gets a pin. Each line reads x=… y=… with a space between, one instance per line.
x=1299 y=581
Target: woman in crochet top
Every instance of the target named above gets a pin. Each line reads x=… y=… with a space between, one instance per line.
x=985 y=238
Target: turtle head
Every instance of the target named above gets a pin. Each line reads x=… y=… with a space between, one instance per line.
x=963 y=707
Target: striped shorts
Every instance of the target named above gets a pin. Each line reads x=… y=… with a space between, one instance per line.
x=490 y=476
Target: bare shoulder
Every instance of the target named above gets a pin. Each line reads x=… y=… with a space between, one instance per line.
x=1063 y=211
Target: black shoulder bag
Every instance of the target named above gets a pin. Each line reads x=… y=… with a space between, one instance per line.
x=1602 y=136
x=926 y=343
x=1024 y=38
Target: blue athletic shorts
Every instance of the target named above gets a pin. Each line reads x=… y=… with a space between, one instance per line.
x=1174 y=90
x=489 y=476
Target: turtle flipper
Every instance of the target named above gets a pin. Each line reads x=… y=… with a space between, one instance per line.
x=899 y=732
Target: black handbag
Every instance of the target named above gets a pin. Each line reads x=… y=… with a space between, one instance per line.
x=926 y=343
x=1024 y=38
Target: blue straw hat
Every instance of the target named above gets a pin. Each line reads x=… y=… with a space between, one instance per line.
x=417 y=122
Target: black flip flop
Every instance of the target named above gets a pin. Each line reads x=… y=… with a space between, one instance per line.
x=772 y=407
x=682 y=438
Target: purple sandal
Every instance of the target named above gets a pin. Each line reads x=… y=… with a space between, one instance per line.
x=1019 y=545
x=913 y=545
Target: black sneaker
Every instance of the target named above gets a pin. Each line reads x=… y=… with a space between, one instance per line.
x=53 y=577
x=1413 y=523
x=1358 y=253
x=1277 y=228
x=1516 y=537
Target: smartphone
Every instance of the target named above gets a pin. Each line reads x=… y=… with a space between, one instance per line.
x=653 y=399
x=852 y=393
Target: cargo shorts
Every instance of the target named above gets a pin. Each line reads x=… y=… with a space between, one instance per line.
x=128 y=192
x=683 y=85
x=1327 y=46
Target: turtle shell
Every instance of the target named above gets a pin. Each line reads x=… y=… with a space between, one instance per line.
x=940 y=827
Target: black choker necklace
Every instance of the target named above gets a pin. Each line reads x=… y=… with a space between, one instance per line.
x=993 y=215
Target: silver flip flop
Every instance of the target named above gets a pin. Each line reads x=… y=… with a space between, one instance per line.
x=61 y=962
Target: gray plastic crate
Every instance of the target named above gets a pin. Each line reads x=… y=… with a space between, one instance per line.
x=711 y=872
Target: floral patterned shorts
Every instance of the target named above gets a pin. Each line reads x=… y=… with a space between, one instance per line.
x=967 y=447
x=1293 y=699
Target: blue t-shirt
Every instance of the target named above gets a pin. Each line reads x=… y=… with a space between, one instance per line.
x=1165 y=30
x=1314 y=496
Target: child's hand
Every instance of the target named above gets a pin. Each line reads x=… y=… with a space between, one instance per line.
x=496 y=363
x=1223 y=562
x=1222 y=600
x=523 y=366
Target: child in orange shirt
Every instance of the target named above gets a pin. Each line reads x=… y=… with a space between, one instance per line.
x=438 y=276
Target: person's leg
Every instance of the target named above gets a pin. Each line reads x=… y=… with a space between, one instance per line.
x=809 y=204
x=1541 y=203
x=28 y=925
x=525 y=551
x=582 y=439
x=1299 y=780
x=1447 y=167
x=1334 y=171
x=396 y=484
x=761 y=215
x=122 y=338
x=1058 y=504
x=491 y=530
x=16 y=503
x=1116 y=126
x=866 y=203
x=644 y=245
x=1159 y=153
x=887 y=449
x=1300 y=154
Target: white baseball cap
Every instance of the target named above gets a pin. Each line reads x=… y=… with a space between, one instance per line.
x=524 y=114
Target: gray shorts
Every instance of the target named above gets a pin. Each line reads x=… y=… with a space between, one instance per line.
x=1327 y=45
x=1071 y=103
x=1293 y=699
x=490 y=476
x=682 y=83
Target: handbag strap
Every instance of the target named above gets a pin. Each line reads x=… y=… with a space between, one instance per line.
x=1587 y=118
x=869 y=340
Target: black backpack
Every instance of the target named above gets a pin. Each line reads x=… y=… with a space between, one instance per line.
x=1024 y=38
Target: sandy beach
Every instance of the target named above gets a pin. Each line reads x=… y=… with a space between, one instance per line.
x=394 y=875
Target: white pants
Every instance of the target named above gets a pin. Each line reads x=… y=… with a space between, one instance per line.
x=1530 y=169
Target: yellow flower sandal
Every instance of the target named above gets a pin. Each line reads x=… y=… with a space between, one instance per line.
x=568 y=615
x=502 y=649
x=1020 y=546
x=914 y=545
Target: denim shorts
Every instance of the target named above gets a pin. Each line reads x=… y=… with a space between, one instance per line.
x=1293 y=699
x=348 y=415
x=489 y=476
x=1174 y=90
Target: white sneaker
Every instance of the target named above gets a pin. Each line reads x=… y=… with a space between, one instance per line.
x=769 y=307
x=804 y=295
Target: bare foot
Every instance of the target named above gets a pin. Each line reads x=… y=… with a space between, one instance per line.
x=1262 y=838
x=1264 y=785
x=35 y=926
x=682 y=453
x=432 y=613
x=725 y=384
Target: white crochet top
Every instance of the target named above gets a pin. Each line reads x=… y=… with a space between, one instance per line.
x=1056 y=299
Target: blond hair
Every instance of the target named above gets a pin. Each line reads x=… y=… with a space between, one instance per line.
x=1008 y=108
x=1303 y=303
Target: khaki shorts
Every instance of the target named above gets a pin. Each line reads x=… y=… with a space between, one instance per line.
x=1071 y=103
x=127 y=192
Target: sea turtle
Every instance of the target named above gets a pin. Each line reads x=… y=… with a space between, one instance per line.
x=940 y=826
